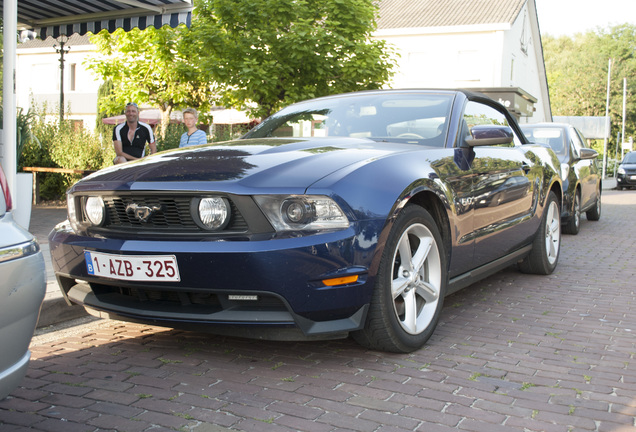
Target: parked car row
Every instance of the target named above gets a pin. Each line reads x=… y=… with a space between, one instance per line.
x=346 y=215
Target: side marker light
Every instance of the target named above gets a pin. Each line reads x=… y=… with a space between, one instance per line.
x=341 y=280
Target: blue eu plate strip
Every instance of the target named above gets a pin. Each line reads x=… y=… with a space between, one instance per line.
x=89 y=263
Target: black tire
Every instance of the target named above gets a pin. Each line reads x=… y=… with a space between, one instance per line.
x=594 y=213
x=408 y=294
x=574 y=223
x=546 y=245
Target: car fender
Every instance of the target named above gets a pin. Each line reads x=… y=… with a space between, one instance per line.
x=380 y=197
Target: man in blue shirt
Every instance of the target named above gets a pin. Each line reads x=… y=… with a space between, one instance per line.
x=130 y=138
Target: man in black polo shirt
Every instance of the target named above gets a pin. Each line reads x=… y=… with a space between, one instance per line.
x=130 y=138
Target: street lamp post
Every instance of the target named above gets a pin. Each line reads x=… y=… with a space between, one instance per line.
x=624 y=112
x=61 y=50
x=607 y=121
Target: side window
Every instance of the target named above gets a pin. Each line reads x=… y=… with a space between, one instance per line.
x=577 y=142
x=479 y=114
x=580 y=141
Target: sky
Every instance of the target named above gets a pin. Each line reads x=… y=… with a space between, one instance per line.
x=568 y=17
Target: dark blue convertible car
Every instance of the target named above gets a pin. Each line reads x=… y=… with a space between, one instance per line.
x=346 y=215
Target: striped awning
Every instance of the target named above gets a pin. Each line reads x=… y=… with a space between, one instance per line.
x=57 y=17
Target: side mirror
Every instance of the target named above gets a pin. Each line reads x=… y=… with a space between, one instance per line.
x=486 y=135
x=587 y=153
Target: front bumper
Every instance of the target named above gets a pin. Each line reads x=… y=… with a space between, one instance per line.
x=626 y=179
x=269 y=289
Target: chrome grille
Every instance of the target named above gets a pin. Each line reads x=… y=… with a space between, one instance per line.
x=174 y=216
x=175 y=212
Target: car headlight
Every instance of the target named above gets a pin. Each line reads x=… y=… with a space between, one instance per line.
x=211 y=213
x=302 y=212
x=95 y=210
x=20 y=250
x=71 y=213
x=621 y=170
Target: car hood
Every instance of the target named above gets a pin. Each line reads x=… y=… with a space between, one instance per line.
x=251 y=163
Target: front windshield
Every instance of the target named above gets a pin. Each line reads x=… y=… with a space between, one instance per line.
x=630 y=158
x=420 y=118
x=552 y=136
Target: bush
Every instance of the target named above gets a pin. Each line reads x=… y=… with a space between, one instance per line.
x=226 y=132
x=63 y=146
x=39 y=155
x=77 y=148
x=173 y=136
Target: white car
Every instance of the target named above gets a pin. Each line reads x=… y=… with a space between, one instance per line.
x=22 y=288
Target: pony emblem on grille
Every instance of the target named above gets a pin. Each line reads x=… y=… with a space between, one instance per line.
x=143 y=213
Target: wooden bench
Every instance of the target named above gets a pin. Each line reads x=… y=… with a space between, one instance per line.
x=36 y=170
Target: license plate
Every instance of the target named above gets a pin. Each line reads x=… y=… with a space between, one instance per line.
x=632 y=177
x=156 y=268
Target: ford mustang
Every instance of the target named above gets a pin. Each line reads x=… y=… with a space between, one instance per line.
x=353 y=214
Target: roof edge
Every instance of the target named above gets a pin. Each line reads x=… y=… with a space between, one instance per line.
x=411 y=31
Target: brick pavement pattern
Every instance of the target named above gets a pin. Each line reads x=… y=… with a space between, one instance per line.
x=513 y=352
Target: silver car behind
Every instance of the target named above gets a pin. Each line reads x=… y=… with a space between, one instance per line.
x=22 y=288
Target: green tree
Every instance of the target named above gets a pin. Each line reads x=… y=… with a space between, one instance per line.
x=270 y=53
x=577 y=70
x=105 y=90
x=154 y=67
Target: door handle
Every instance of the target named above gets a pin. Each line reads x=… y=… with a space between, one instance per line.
x=525 y=167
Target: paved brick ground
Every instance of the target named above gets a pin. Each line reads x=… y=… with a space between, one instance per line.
x=512 y=353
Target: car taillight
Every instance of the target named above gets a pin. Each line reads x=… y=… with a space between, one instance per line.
x=5 y=190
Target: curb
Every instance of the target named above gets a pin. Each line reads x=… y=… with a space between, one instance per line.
x=54 y=309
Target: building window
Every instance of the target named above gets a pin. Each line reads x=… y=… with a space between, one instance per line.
x=525 y=36
x=72 y=77
x=512 y=70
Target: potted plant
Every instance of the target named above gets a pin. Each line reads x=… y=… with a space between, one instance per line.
x=24 y=123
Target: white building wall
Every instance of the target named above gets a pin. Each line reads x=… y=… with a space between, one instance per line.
x=38 y=83
x=498 y=55
x=520 y=64
x=437 y=58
